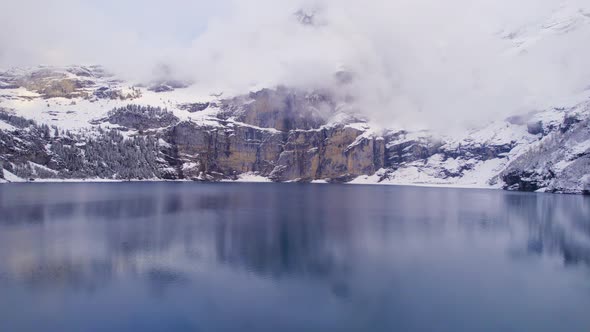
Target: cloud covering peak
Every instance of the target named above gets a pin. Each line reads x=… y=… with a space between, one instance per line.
x=418 y=62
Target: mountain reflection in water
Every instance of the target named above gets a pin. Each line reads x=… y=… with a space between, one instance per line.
x=269 y=257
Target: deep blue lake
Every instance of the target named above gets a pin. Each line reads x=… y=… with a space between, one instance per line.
x=290 y=257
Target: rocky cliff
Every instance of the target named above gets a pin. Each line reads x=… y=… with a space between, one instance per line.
x=560 y=161
x=281 y=134
x=100 y=127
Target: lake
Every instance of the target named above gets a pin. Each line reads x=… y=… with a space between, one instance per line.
x=291 y=257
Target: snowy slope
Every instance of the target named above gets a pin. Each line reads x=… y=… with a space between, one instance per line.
x=75 y=112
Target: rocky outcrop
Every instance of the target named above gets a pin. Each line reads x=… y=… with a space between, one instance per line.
x=337 y=153
x=281 y=134
x=559 y=162
x=52 y=84
x=76 y=82
x=220 y=152
x=108 y=92
x=281 y=109
x=403 y=148
x=167 y=85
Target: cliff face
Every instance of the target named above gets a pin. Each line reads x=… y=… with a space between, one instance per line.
x=337 y=153
x=282 y=134
x=282 y=109
x=212 y=152
x=559 y=162
x=330 y=153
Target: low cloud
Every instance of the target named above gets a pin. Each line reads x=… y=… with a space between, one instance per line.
x=413 y=62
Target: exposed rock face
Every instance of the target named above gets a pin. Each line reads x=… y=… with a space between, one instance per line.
x=167 y=85
x=401 y=149
x=281 y=134
x=52 y=84
x=282 y=109
x=336 y=153
x=535 y=127
x=560 y=162
x=65 y=88
x=222 y=151
x=71 y=82
x=106 y=92
x=278 y=134
x=421 y=157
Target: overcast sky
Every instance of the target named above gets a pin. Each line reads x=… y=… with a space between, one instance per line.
x=413 y=59
x=74 y=31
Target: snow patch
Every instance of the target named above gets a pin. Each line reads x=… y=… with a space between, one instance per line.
x=9 y=177
x=252 y=177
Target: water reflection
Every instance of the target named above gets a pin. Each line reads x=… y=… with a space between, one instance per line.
x=555 y=225
x=368 y=258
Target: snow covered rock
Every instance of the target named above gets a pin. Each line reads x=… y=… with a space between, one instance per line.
x=79 y=122
x=560 y=162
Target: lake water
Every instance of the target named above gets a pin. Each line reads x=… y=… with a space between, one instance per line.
x=290 y=257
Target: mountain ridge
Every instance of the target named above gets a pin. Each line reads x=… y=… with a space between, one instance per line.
x=61 y=124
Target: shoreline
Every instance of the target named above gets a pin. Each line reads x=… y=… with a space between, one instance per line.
x=252 y=180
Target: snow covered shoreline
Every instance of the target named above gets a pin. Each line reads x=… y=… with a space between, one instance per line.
x=249 y=178
x=260 y=179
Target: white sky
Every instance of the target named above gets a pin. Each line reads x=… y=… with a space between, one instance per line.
x=97 y=31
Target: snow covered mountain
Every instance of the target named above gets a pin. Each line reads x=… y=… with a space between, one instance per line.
x=82 y=123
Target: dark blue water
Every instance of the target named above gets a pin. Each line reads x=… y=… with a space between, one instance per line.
x=271 y=257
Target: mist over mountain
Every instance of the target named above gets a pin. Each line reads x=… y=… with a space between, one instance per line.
x=415 y=63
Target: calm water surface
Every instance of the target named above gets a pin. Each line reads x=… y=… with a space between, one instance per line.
x=272 y=257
